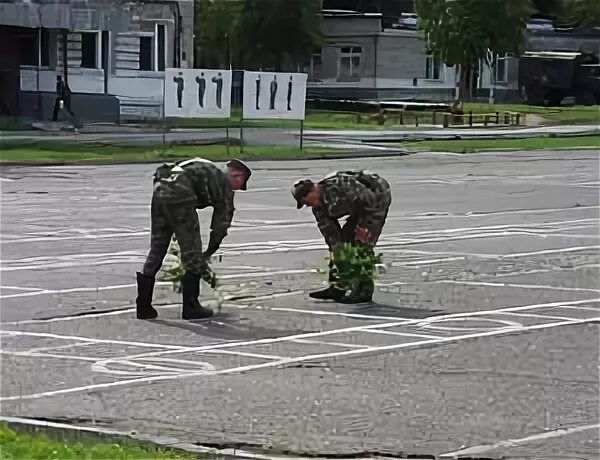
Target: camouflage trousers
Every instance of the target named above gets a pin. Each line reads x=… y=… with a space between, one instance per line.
x=179 y=219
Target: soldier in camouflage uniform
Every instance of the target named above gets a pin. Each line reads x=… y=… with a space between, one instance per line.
x=179 y=189
x=362 y=196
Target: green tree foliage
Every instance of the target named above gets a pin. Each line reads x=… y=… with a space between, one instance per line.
x=460 y=32
x=257 y=33
x=583 y=13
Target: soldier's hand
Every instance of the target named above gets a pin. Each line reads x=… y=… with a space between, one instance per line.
x=361 y=234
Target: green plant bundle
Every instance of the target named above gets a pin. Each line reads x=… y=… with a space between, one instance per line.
x=176 y=273
x=352 y=265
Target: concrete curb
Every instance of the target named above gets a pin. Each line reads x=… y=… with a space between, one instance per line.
x=175 y=444
x=342 y=155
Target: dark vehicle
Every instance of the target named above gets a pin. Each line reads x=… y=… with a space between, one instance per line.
x=546 y=78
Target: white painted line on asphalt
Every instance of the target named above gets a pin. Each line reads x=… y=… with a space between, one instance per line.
x=416 y=263
x=61 y=347
x=385 y=348
x=475 y=450
x=26 y=354
x=78 y=289
x=515 y=285
x=334 y=313
x=331 y=344
x=406 y=334
x=533 y=315
x=92 y=340
x=267 y=273
x=597 y=310
x=242 y=353
x=498 y=256
x=287 y=361
x=130 y=309
x=20 y=288
x=432 y=323
x=168 y=349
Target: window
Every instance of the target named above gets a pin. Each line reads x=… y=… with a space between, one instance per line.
x=89 y=50
x=28 y=47
x=500 y=68
x=161 y=37
x=44 y=47
x=349 y=63
x=145 y=56
x=432 y=68
x=152 y=49
x=314 y=66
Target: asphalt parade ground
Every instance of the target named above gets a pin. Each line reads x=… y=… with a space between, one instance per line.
x=483 y=340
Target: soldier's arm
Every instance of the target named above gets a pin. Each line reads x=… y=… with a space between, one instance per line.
x=223 y=210
x=329 y=227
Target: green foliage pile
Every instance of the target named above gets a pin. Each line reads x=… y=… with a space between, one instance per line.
x=352 y=265
x=176 y=273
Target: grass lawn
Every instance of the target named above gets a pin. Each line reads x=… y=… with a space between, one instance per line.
x=26 y=445
x=81 y=153
x=475 y=145
x=558 y=115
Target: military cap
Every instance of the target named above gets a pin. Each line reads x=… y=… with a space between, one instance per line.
x=300 y=189
x=240 y=165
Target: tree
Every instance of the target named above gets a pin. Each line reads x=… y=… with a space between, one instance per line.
x=215 y=24
x=583 y=13
x=258 y=33
x=279 y=32
x=461 y=32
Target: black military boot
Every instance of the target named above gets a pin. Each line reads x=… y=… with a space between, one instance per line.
x=190 y=291
x=330 y=293
x=144 y=308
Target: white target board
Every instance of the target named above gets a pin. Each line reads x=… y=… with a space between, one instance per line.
x=274 y=95
x=197 y=93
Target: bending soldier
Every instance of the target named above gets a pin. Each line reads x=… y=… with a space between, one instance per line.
x=179 y=190
x=362 y=196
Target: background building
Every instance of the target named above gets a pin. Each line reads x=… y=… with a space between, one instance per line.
x=111 y=53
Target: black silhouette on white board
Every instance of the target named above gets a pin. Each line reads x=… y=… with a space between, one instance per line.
x=218 y=80
x=273 y=92
x=289 y=97
x=257 y=93
x=179 y=81
x=201 y=89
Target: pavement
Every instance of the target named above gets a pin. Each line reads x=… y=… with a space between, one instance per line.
x=482 y=341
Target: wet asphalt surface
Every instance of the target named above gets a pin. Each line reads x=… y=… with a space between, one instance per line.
x=483 y=328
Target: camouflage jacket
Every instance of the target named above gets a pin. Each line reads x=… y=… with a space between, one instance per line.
x=362 y=195
x=203 y=183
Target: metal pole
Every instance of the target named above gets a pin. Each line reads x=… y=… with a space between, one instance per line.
x=301 y=134
x=227 y=134
x=242 y=132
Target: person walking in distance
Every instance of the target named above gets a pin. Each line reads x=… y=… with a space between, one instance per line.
x=63 y=94
x=179 y=190
x=364 y=197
